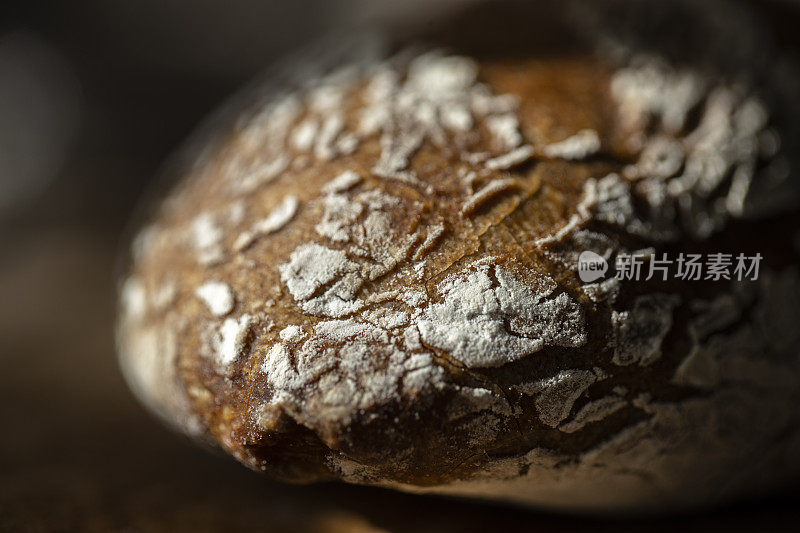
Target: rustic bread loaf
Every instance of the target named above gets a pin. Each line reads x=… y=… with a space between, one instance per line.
x=372 y=276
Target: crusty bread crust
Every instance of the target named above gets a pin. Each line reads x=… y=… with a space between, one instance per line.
x=373 y=277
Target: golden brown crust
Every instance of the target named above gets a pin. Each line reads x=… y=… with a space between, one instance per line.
x=373 y=278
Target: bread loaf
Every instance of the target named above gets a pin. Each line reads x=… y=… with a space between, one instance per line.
x=371 y=275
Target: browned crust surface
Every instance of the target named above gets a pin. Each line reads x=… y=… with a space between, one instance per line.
x=420 y=322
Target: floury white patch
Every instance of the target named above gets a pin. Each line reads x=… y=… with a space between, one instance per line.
x=591 y=266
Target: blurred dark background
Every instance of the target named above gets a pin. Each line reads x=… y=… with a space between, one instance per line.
x=93 y=96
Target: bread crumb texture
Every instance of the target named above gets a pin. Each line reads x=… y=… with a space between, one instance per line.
x=372 y=277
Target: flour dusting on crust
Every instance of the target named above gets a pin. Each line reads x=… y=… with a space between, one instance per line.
x=402 y=307
x=485 y=323
x=217 y=296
